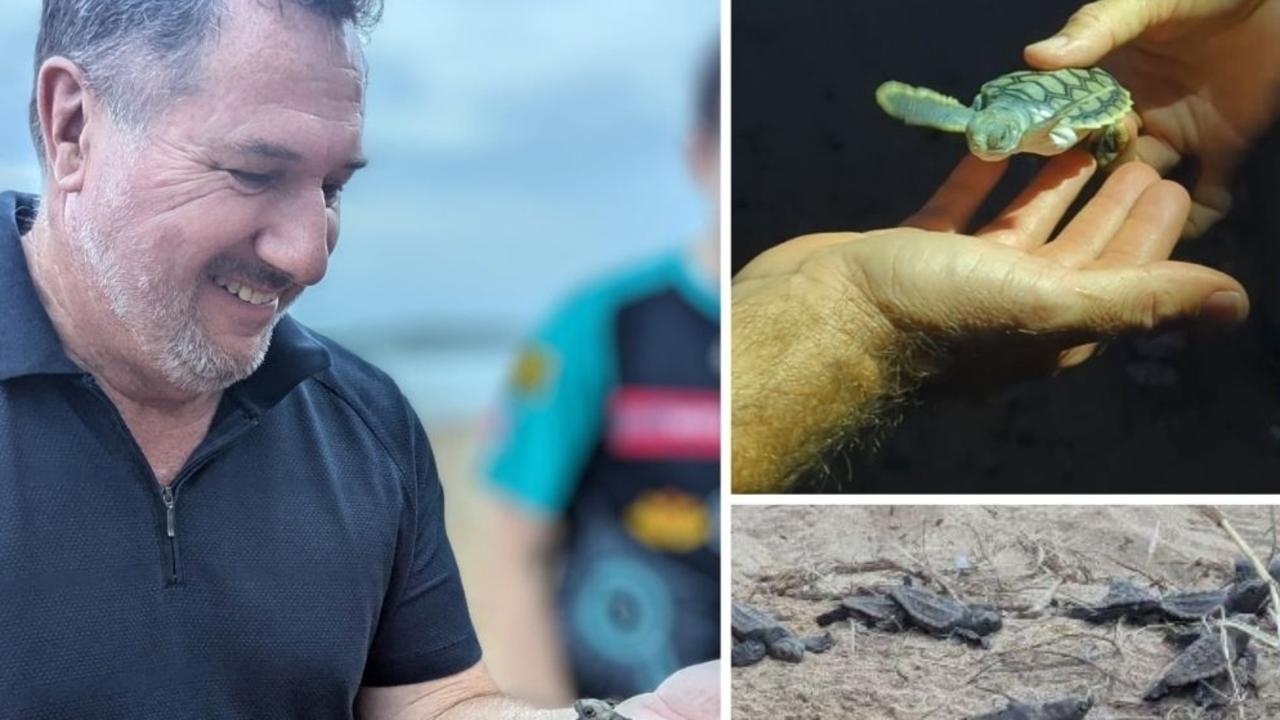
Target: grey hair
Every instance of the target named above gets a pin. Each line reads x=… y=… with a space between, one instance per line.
x=111 y=41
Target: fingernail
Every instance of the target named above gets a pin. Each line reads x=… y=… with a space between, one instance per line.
x=1225 y=306
x=1056 y=43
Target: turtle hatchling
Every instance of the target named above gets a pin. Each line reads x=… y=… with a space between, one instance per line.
x=937 y=615
x=1123 y=600
x=1249 y=596
x=874 y=609
x=1075 y=708
x=758 y=633
x=1044 y=113
x=1206 y=667
x=596 y=710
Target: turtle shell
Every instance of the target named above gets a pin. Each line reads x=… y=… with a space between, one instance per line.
x=1204 y=658
x=749 y=623
x=927 y=610
x=874 y=608
x=1082 y=98
x=1192 y=605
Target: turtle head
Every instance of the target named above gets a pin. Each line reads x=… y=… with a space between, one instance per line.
x=995 y=133
x=593 y=709
x=983 y=620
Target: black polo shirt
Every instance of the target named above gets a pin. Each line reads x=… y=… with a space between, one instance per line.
x=299 y=554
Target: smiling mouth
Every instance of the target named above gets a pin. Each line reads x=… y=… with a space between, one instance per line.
x=246 y=293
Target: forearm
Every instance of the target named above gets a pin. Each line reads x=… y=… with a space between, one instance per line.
x=811 y=370
x=518 y=627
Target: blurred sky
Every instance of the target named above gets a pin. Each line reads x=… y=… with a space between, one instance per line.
x=516 y=147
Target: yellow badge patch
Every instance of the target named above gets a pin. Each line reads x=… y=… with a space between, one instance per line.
x=668 y=521
x=534 y=370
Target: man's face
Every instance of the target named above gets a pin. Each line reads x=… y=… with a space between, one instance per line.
x=205 y=227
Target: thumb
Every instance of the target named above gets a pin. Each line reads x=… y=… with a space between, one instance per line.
x=1112 y=301
x=1100 y=27
x=1095 y=30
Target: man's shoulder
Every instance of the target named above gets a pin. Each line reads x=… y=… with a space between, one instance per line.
x=621 y=286
x=596 y=301
x=362 y=388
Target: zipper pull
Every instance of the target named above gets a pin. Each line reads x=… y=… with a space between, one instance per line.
x=167 y=495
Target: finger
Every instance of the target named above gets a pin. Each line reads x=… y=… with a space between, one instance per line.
x=1151 y=229
x=1097 y=303
x=1030 y=219
x=1099 y=27
x=1077 y=355
x=1212 y=201
x=1153 y=151
x=1202 y=218
x=953 y=205
x=1093 y=31
x=1083 y=239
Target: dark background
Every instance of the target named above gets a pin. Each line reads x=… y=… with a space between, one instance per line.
x=1164 y=413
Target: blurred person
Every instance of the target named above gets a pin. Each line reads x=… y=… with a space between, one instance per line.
x=206 y=509
x=605 y=474
x=833 y=331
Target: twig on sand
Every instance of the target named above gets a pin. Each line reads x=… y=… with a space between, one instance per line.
x=933 y=574
x=1043 y=603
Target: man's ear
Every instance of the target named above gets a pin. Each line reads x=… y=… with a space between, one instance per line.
x=63 y=105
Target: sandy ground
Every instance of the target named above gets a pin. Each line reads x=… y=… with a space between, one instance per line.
x=797 y=561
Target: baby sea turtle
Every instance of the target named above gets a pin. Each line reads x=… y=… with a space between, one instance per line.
x=1146 y=605
x=1067 y=709
x=1123 y=600
x=758 y=633
x=1203 y=667
x=939 y=616
x=596 y=710
x=1247 y=597
x=899 y=607
x=873 y=609
x=1026 y=111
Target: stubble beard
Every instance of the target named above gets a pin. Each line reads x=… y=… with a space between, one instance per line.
x=163 y=321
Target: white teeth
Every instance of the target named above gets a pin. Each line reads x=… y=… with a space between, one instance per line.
x=244 y=292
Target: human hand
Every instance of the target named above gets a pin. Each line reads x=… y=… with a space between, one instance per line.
x=1204 y=75
x=690 y=694
x=828 y=327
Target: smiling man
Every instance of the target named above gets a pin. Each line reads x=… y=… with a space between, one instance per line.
x=206 y=510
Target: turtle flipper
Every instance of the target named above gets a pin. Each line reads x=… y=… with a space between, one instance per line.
x=1109 y=143
x=922 y=106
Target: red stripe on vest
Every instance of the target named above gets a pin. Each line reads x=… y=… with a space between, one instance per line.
x=660 y=423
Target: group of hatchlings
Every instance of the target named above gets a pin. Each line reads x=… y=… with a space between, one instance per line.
x=1215 y=656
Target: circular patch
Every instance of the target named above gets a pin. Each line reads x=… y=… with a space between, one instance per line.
x=624 y=613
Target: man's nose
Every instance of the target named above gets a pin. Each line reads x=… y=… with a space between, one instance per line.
x=296 y=241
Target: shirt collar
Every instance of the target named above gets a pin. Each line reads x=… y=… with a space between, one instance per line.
x=29 y=345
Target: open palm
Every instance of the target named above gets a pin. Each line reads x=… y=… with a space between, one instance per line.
x=1027 y=299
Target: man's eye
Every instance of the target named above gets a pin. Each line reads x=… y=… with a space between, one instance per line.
x=253 y=181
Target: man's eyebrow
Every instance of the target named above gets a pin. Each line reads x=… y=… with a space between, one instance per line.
x=269 y=150
x=276 y=151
